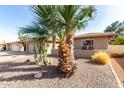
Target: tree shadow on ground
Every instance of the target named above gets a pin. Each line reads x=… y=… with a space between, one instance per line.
x=90 y=62
x=48 y=72
x=10 y=64
x=3 y=70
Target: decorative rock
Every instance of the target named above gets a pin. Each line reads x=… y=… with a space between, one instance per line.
x=38 y=75
x=40 y=63
x=28 y=60
x=47 y=61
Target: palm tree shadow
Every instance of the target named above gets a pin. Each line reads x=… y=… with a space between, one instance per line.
x=48 y=72
x=11 y=64
x=90 y=62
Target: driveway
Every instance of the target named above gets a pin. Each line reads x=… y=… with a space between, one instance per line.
x=16 y=73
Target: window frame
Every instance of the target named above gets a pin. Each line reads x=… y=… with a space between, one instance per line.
x=86 y=40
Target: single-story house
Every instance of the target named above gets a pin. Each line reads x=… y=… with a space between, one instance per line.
x=27 y=47
x=30 y=47
x=12 y=46
x=85 y=45
x=1 y=46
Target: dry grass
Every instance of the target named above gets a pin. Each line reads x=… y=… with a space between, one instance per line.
x=101 y=58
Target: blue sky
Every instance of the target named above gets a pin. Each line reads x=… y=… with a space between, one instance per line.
x=13 y=17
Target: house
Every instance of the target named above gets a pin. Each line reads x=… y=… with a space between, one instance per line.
x=12 y=46
x=1 y=46
x=86 y=45
x=28 y=47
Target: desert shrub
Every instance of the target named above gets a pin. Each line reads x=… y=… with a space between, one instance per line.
x=101 y=58
x=116 y=55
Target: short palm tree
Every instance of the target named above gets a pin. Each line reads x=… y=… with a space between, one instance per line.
x=38 y=34
x=43 y=15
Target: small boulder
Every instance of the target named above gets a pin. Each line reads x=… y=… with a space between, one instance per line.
x=39 y=63
x=28 y=60
x=47 y=61
x=38 y=75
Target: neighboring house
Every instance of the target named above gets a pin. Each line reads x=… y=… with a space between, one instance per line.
x=27 y=47
x=1 y=46
x=31 y=47
x=85 y=45
x=13 y=46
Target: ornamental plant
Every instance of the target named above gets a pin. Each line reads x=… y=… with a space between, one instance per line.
x=101 y=58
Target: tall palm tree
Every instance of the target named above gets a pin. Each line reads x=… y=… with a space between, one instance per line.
x=71 y=18
x=65 y=21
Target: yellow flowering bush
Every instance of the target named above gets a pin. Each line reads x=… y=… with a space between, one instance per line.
x=101 y=58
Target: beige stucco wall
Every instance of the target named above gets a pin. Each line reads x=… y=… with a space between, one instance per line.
x=8 y=47
x=31 y=47
x=98 y=43
x=86 y=53
x=80 y=53
x=16 y=47
x=77 y=44
x=116 y=48
x=101 y=43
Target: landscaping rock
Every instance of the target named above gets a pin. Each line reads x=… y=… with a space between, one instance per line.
x=38 y=75
x=47 y=61
x=17 y=74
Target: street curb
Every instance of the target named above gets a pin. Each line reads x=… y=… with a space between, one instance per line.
x=116 y=77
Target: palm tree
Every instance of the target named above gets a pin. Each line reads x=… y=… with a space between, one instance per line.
x=38 y=34
x=65 y=21
x=71 y=18
x=43 y=15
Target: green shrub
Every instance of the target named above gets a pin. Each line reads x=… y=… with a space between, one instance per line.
x=118 y=41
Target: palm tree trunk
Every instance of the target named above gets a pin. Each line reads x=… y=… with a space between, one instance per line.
x=70 y=42
x=53 y=41
x=66 y=54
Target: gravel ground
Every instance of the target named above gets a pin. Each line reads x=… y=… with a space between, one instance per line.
x=16 y=73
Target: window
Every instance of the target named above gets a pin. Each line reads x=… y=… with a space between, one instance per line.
x=87 y=44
